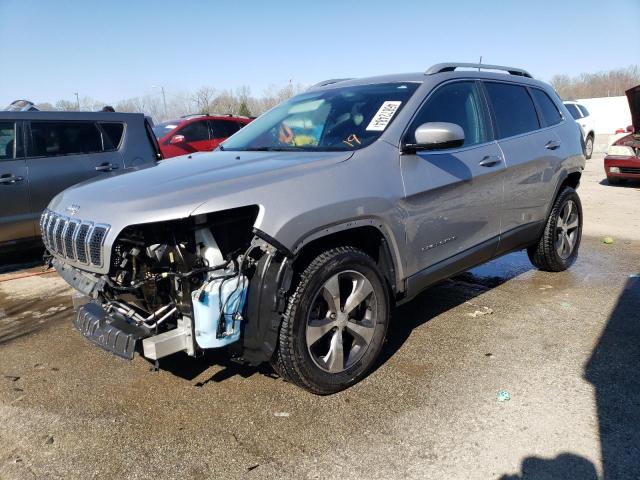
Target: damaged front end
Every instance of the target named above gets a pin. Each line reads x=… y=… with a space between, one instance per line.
x=209 y=281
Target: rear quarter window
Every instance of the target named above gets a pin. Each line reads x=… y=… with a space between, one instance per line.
x=513 y=109
x=112 y=135
x=546 y=107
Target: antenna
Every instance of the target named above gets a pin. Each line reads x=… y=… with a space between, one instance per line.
x=480 y=62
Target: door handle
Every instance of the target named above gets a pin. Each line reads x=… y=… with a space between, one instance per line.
x=490 y=161
x=552 y=144
x=106 y=167
x=8 y=179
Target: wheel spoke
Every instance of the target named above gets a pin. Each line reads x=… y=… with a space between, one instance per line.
x=362 y=288
x=566 y=245
x=573 y=223
x=331 y=294
x=334 y=359
x=318 y=329
x=568 y=209
x=362 y=333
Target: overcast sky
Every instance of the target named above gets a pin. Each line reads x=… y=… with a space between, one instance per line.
x=115 y=49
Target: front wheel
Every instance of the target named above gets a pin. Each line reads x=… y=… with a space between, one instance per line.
x=335 y=323
x=557 y=248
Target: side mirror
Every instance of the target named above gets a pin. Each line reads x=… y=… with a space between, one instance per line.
x=630 y=129
x=436 y=136
x=176 y=139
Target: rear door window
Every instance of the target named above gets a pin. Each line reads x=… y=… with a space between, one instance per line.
x=547 y=109
x=223 y=128
x=584 y=110
x=51 y=139
x=458 y=103
x=513 y=109
x=10 y=141
x=195 y=131
x=573 y=110
x=112 y=135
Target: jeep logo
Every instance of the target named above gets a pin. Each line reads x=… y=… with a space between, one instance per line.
x=72 y=209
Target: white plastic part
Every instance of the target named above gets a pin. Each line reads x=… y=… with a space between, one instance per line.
x=209 y=247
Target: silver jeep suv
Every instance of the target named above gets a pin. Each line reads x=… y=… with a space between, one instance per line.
x=293 y=241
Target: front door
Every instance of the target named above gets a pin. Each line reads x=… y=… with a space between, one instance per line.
x=453 y=197
x=15 y=218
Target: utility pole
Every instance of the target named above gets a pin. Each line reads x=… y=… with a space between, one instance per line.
x=77 y=101
x=164 y=98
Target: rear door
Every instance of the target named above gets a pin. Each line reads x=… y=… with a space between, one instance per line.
x=63 y=153
x=531 y=151
x=221 y=130
x=16 y=222
x=453 y=196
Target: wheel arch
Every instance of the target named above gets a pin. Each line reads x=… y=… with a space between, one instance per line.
x=368 y=234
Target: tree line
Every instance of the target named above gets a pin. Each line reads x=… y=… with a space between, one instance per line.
x=611 y=83
x=206 y=100
x=209 y=100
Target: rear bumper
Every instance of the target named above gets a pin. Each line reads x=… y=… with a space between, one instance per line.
x=629 y=166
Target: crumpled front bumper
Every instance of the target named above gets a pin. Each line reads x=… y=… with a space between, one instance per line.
x=109 y=331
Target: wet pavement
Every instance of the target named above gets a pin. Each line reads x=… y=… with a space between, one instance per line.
x=566 y=347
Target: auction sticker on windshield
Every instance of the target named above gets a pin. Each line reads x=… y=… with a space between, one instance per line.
x=383 y=116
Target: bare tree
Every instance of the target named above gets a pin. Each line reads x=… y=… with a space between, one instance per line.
x=601 y=84
x=203 y=98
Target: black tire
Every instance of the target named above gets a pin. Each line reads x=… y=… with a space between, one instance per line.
x=588 y=147
x=544 y=254
x=293 y=358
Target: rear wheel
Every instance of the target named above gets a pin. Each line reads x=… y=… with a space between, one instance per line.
x=558 y=246
x=335 y=323
x=588 y=147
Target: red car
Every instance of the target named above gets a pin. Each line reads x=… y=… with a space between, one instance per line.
x=623 y=158
x=196 y=133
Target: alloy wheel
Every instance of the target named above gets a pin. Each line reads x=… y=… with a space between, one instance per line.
x=342 y=321
x=567 y=229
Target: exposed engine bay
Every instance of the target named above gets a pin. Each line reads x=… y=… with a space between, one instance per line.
x=183 y=285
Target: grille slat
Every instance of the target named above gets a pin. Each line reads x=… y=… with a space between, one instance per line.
x=81 y=239
x=95 y=245
x=73 y=239
x=635 y=170
x=68 y=239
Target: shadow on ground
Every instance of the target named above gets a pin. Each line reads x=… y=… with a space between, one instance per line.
x=14 y=260
x=614 y=372
x=565 y=466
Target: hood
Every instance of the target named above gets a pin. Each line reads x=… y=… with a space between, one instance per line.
x=175 y=188
x=633 y=96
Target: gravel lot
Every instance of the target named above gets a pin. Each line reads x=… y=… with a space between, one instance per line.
x=565 y=346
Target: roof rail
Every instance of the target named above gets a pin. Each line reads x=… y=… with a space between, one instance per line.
x=331 y=81
x=450 y=67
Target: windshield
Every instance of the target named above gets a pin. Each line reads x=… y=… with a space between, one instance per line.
x=161 y=129
x=345 y=118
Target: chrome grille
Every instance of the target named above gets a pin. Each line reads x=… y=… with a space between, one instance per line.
x=70 y=238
